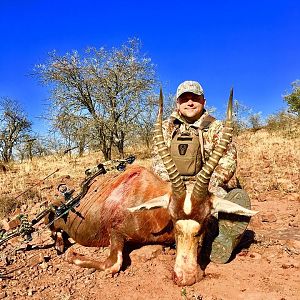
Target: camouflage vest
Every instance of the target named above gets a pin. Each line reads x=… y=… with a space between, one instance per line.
x=187 y=148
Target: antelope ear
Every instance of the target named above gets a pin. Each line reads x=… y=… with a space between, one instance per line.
x=158 y=202
x=222 y=205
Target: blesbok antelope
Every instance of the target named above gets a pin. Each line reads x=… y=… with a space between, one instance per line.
x=137 y=206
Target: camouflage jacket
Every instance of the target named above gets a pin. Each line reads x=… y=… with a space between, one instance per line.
x=211 y=136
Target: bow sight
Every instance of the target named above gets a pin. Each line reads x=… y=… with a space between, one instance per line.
x=25 y=229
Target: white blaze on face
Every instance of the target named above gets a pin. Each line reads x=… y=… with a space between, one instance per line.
x=187 y=206
x=187 y=270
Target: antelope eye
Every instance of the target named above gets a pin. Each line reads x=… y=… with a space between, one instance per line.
x=197 y=234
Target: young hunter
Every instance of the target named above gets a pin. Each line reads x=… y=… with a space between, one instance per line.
x=191 y=135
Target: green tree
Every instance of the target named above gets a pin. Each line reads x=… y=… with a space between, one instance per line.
x=293 y=99
x=14 y=126
x=74 y=129
x=255 y=121
x=107 y=88
x=144 y=123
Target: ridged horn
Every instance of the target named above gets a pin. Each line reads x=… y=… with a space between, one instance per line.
x=163 y=151
x=202 y=180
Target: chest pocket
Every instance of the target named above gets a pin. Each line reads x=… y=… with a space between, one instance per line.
x=186 y=152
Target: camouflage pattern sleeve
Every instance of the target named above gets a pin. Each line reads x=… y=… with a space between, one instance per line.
x=226 y=168
x=157 y=163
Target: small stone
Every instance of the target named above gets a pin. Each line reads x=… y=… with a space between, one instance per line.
x=44 y=265
x=256 y=222
x=244 y=252
x=30 y=292
x=172 y=252
x=12 y=224
x=146 y=253
x=90 y=271
x=269 y=218
x=255 y=255
x=35 y=260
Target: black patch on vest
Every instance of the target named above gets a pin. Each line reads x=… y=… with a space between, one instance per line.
x=182 y=148
x=184 y=138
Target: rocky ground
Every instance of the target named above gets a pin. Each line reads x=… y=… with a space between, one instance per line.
x=266 y=264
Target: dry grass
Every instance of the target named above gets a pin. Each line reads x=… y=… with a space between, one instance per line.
x=267 y=161
x=29 y=176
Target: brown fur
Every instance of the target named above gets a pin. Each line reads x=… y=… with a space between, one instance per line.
x=102 y=217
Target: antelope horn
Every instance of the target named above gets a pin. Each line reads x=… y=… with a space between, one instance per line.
x=202 y=181
x=163 y=151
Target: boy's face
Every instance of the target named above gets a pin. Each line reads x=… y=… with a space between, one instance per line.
x=190 y=106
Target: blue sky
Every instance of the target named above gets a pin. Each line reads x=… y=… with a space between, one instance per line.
x=253 y=46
